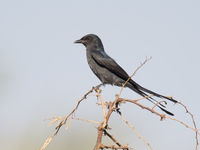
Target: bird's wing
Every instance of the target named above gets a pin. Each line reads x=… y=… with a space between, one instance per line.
x=102 y=59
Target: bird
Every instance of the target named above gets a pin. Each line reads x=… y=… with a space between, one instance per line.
x=110 y=72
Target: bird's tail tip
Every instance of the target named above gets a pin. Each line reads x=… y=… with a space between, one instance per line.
x=171 y=99
x=166 y=111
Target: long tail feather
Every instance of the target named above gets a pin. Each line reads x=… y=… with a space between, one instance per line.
x=141 y=91
x=151 y=92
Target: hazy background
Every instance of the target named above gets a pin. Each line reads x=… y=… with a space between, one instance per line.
x=43 y=73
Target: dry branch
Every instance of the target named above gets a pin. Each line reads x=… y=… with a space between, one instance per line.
x=136 y=132
x=194 y=124
x=63 y=122
x=112 y=138
x=102 y=128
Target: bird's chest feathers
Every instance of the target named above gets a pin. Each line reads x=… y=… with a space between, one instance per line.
x=93 y=65
x=101 y=72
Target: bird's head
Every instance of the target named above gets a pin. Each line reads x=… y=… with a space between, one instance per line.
x=91 y=41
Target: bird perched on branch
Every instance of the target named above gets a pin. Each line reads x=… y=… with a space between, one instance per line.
x=109 y=72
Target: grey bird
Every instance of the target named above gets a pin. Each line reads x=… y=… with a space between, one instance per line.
x=109 y=72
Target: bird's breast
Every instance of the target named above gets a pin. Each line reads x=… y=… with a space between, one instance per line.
x=101 y=72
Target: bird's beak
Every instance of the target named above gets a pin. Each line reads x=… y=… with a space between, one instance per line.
x=78 y=41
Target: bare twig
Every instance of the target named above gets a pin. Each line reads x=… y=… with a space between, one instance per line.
x=134 y=73
x=47 y=142
x=194 y=124
x=181 y=122
x=85 y=120
x=61 y=123
x=102 y=105
x=102 y=146
x=159 y=102
x=112 y=138
x=54 y=120
x=136 y=132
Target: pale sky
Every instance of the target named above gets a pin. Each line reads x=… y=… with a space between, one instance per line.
x=43 y=73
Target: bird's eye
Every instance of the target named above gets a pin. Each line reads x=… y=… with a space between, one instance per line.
x=87 y=38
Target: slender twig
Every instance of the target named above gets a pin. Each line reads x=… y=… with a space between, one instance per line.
x=157 y=103
x=113 y=147
x=61 y=123
x=84 y=97
x=134 y=73
x=194 y=124
x=136 y=132
x=85 y=120
x=59 y=119
x=181 y=122
x=112 y=138
x=102 y=106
